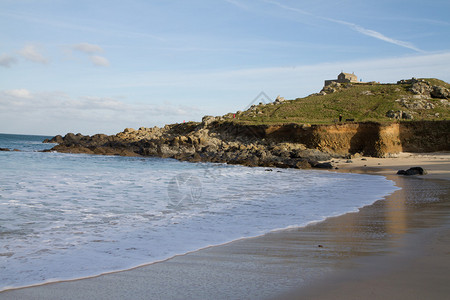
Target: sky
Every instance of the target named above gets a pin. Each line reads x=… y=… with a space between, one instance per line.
x=102 y=66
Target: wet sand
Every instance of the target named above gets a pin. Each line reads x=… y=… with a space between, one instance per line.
x=397 y=248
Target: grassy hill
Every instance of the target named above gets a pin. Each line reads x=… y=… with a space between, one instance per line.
x=361 y=102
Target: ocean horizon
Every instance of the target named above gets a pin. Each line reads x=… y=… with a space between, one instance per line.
x=69 y=216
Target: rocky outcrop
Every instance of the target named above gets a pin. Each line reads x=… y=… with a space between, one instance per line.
x=284 y=146
x=425 y=88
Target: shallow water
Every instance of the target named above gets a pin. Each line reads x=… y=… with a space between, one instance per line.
x=66 y=216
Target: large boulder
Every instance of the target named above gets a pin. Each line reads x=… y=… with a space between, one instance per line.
x=324 y=165
x=440 y=92
x=421 y=88
x=412 y=171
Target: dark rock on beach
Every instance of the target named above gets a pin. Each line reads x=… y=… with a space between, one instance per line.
x=325 y=165
x=412 y=171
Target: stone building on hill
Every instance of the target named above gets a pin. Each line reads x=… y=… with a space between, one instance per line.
x=343 y=78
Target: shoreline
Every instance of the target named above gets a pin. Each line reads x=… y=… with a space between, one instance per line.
x=148 y=264
x=435 y=172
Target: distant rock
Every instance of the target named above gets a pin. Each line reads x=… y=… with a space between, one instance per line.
x=399 y=114
x=57 y=140
x=440 y=92
x=206 y=120
x=325 y=165
x=421 y=88
x=412 y=171
x=4 y=149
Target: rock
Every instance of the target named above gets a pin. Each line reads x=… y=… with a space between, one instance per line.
x=407 y=116
x=421 y=88
x=356 y=155
x=325 y=165
x=303 y=164
x=399 y=114
x=57 y=140
x=71 y=138
x=367 y=93
x=440 y=92
x=412 y=171
x=279 y=100
x=129 y=130
x=4 y=149
x=206 y=120
x=349 y=161
x=392 y=114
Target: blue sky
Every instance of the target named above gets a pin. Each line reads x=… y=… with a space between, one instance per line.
x=100 y=66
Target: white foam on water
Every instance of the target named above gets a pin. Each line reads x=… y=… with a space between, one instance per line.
x=68 y=216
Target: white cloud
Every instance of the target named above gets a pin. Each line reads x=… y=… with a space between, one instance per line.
x=31 y=52
x=355 y=27
x=58 y=113
x=87 y=48
x=7 y=60
x=20 y=93
x=99 y=61
x=90 y=49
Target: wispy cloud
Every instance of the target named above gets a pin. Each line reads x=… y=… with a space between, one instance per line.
x=375 y=34
x=99 y=61
x=7 y=60
x=87 y=48
x=355 y=27
x=91 y=49
x=238 y=4
x=99 y=28
x=31 y=53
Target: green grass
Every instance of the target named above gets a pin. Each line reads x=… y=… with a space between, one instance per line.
x=350 y=101
x=434 y=81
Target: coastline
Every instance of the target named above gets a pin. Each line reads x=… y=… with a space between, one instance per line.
x=248 y=260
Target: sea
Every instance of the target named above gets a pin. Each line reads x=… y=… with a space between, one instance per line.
x=69 y=216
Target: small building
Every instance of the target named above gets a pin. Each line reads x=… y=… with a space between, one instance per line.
x=343 y=78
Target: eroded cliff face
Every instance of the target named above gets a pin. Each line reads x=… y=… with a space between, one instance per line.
x=289 y=145
x=370 y=139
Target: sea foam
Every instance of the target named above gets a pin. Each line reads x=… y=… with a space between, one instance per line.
x=66 y=216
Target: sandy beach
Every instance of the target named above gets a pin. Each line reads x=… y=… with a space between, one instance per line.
x=397 y=248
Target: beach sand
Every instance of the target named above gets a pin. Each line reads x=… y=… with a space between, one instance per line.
x=397 y=248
